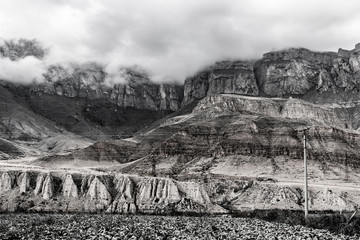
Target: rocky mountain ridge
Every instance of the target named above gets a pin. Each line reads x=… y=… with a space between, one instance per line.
x=290 y=72
x=89 y=81
x=318 y=77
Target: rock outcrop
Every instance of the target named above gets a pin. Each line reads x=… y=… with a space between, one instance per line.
x=291 y=71
x=99 y=193
x=283 y=108
x=160 y=195
x=235 y=77
x=69 y=188
x=44 y=186
x=6 y=181
x=24 y=182
x=157 y=195
x=124 y=201
x=98 y=196
x=90 y=81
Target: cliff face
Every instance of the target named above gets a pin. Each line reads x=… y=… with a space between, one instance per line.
x=291 y=71
x=278 y=108
x=325 y=78
x=99 y=193
x=89 y=81
x=66 y=192
x=224 y=77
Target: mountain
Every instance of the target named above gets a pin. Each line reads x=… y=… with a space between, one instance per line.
x=230 y=139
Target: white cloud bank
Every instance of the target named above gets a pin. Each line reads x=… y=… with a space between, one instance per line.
x=176 y=38
x=25 y=71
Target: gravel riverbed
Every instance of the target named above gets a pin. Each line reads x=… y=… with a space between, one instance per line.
x=98 y=226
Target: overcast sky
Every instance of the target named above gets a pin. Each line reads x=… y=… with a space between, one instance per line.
x=176 y=38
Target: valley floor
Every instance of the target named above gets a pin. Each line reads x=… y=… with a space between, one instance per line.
x=96 y=226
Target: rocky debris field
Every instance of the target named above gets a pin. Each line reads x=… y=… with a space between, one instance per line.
x=88 y=226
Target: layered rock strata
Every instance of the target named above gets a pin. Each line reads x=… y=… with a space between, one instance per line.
x=98 y=193
x=130 y=194
x=90 y=81
x=224 y=77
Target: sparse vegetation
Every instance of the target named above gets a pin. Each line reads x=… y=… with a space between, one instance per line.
x=93 y=226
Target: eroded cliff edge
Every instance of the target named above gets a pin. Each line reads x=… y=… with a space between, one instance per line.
x=75 y=192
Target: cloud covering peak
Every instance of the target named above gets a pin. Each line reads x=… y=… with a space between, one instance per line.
x=176 y=38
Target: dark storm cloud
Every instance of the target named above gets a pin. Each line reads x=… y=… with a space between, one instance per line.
x=176 y=38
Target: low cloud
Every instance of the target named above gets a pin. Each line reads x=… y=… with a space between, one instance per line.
x=23 y=71
x=174 y=39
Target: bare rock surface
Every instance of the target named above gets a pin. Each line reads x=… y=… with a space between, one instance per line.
x=235 y=77
x=133 y=194
x=6 y=181
x=102 y=193
x=157 y=195
x=24 y=182
x=124 y=201
x=44 y=186
x=97 y=195
x=89 y=81
x=69 y=188
x=291 y=71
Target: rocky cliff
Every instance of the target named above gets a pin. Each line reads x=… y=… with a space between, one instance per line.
x=65 y=192
x=291 y=72
x=326 y=78
x=224 y=77
x=90 y=81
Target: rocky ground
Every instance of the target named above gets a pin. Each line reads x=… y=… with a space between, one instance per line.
x=70 y=226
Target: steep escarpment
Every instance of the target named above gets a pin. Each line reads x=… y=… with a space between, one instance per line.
x=129 y=87
x=326 y=78
x=280 y=108
x=65 y=192
x=91 y=81
x=235 y=77
x=291 y=71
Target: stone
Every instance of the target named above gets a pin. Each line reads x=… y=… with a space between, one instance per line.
x=195 y=193
x=48 y=187
x=157 y=194
x=6 y=182
x=39 y=184
x=44 y=186
x=124 y=199
x=196 y=87
x=24 y=182
x=98 y=195
x=69 y=188
x=235 y=77
x=291 y=71
x=90 y=81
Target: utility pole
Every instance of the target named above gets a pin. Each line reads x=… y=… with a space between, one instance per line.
x=305 y=180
